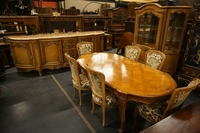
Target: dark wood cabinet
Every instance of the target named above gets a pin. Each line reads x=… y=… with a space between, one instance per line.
x=107 y=41
x=191 y=61
x=95 y=22
x=117 y=27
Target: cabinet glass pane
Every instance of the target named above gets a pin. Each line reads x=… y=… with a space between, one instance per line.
x=148 y=27
x=174 y=32
x=117 y=18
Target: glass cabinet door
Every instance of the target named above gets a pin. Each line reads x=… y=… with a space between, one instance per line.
x=174 y=32
x=148 y=27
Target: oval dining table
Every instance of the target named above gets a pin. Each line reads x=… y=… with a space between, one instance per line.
x=130 y=80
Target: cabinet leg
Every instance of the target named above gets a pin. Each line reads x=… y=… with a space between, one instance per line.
x=18 y=70
x=40 y=72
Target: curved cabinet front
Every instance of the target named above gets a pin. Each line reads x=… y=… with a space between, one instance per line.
x=25 y=55
x=46 y=51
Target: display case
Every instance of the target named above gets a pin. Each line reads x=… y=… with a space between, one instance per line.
x=162 y=28
x=191 y=63
x=117 y=27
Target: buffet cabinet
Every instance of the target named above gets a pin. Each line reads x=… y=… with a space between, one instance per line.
x=191 y=62
x=46 y=51
x=162 y=28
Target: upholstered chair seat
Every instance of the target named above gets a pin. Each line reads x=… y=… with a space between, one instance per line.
x=111 y=99
x=154 y=112
x=84 y=81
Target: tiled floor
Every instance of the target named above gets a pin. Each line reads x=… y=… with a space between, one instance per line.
x=33 y=104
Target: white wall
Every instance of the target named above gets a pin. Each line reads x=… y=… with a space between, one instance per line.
x=80 y=4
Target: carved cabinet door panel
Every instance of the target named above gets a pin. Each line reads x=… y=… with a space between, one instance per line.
x=51 y=53
x=23 y=52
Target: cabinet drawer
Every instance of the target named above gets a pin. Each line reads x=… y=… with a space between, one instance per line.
x=72 y=52
x=70 y=46
x=72 y=40
x=86 y=38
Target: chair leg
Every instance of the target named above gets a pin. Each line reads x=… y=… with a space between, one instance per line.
x=74 y=92
x=80 y=97
x=92 y=107
x=103 y=116
x=134 y=118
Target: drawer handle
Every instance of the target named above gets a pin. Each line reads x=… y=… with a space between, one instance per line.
x=70 y=41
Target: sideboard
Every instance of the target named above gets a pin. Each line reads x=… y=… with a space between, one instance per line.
x=46 y=51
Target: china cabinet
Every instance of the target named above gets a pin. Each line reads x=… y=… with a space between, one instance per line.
x=162 y=28
x=191 y=63
x=117 y=26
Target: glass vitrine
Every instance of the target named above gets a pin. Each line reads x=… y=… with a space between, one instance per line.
x=148 y=27
x=162 y=28
x=148 y=23
x=174 y=32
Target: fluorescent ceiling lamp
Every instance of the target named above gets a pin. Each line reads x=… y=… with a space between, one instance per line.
x=138 y=1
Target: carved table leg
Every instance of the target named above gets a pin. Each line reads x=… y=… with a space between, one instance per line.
x=122 y=103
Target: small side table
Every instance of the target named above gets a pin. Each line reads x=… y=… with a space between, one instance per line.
x=107 y=41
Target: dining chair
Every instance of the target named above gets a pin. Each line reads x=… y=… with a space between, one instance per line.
x=132 y=52
x=125 y=40
x=84 y=48
x=155 y=59
x=100 y=95
x=80 y=80
x=159 y=110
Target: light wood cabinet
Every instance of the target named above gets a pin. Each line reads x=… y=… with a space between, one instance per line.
x=25 y=55
x=162 y=28
x=46 y=51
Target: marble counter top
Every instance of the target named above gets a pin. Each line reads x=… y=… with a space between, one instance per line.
x=54 y=35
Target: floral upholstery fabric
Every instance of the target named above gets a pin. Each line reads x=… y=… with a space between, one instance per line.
x=152 y=112
x=85 y=49
x=72 y=67
x=131 y=53
x=154 y=60
x=111 y=99
x=180 y=98
x=84 y=81
x=96 y=83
